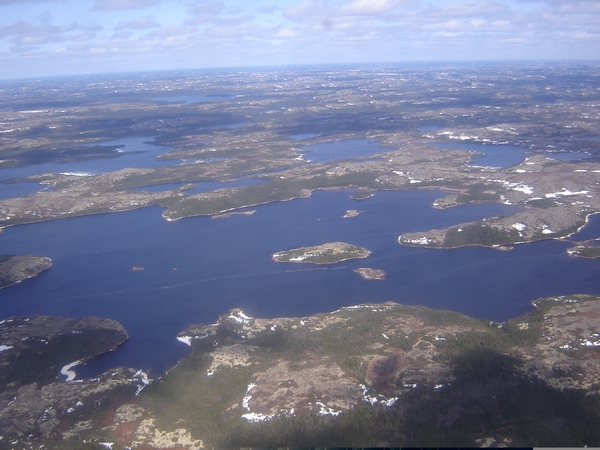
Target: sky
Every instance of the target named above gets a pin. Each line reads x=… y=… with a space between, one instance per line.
x=61 y=37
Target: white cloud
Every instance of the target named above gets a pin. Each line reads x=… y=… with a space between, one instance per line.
x=236 y=32
x=23 y=33
x=116 y=5
x=210 y=8
x=285 y=33
x=8 y=2
x=370 y=6
x=307 y=10
x=140 y=23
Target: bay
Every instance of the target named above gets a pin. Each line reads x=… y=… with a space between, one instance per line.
x=198 y=268
x=504 y=155
x=494 y=155
x=136 y=152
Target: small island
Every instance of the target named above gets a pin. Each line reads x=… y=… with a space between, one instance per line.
x=16 y=268
x=351 y=213
x=370 y=274
x=329 y=253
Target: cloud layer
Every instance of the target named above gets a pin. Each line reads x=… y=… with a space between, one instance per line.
x=45 y=37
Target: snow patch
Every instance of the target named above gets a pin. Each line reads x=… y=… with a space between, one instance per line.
x=326 y=411
x=143 y=377
x=187 y=340
x=374 y=399
x=565 y=192
x=239 y=317
x=246 y=399
x=77 y=174
x=519 y=226
x=67 y=372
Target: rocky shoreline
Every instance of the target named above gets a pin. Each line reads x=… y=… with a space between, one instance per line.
x=329 y=253
x=378 y=361
x=16 y=268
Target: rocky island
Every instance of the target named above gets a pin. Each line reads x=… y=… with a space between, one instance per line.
x=370 y=274
x=329 y=253
x=16 y=268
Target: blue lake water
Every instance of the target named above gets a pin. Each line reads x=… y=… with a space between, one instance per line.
x=133 y=152
x=496 y=155
x=197 y=268
x=339 y=150
x=503 y=155
x=14 y=190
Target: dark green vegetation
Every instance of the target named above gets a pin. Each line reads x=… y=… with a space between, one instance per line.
x=488 y=397
x=479 y=234
x=40 y=346
x=370 y=375
x=459 y=381
x=37 y=407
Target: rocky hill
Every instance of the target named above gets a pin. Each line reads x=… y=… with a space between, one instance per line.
x=366 y=375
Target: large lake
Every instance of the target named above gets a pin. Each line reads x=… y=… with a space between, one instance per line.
x=197 y=268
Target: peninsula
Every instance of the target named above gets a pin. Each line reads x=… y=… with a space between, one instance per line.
x=16 y=268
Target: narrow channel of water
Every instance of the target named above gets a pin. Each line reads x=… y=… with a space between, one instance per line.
x=197 y=268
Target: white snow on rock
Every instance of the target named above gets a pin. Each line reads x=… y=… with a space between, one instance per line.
x=187 y=340
x=519 y=226
x=67 y=372
x=565 y=192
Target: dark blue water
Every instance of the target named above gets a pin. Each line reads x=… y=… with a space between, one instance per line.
x=590 y=231
x=196 y=269
x=14 y=190
x=338 y=150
